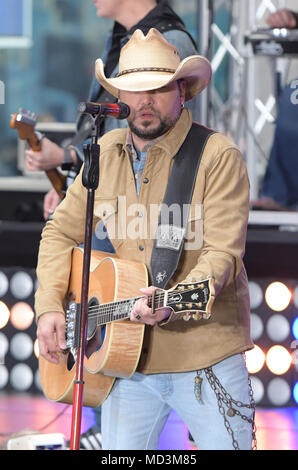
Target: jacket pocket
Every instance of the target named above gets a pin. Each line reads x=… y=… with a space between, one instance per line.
x=106 y=208
x=194 y=233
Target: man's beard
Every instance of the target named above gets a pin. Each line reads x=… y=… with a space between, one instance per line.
x=165 y=124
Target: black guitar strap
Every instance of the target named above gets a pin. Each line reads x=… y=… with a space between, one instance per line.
x=173 y=218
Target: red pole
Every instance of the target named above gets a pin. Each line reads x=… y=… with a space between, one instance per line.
x=90 y=179
x=76 y=417
x=78 y=391
x=78 y=388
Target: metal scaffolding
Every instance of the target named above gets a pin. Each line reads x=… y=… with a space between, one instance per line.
x=241 y=100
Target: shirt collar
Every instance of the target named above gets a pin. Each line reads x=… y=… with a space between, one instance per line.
x=132 y=150
x=169 y=143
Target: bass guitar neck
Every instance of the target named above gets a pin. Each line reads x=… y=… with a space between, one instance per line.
x=24 y=122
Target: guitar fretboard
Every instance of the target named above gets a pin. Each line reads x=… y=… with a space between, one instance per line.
x=112 y=311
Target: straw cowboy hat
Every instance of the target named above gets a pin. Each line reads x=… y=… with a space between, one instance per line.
x=151 y=62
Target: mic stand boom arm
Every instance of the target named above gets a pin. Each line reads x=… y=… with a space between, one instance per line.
x=90 y=180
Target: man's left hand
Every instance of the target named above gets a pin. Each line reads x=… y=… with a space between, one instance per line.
x=142 y=313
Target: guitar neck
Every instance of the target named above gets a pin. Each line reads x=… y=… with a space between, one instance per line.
x=186 y=300
x=34 y=142
x=24 y=122
x=113 y=311
x=58 y=181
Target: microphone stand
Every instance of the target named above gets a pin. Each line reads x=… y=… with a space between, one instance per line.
x=90 y=179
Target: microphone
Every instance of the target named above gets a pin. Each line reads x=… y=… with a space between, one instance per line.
x=115 y=110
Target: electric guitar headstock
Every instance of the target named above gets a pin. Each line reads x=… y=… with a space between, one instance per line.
x=24 y=122
x=193 y=299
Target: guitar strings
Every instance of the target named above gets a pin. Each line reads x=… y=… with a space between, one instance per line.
x=109 y=308
x=112 y=305
x=108 y=304
x=108 y=311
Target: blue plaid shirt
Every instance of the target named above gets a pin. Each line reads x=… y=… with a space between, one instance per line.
x=138 y=167
x=138 y=160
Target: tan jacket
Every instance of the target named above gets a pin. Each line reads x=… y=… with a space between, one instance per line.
x=218 y=218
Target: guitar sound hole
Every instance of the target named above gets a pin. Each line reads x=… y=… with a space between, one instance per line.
x=92 y=319
x=70 y=361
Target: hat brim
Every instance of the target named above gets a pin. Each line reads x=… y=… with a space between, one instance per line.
x=196 y=70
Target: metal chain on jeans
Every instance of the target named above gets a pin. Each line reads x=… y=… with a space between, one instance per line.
x=223 y=397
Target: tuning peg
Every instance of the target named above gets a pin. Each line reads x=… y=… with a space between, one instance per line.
x=179 y=306
x=206 y=315
x=187 y=317
x=181 y=287
x=196 y=316
x=189 y=306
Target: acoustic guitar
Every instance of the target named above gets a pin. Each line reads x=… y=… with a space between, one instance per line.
x=24 y=122
x=113 y=342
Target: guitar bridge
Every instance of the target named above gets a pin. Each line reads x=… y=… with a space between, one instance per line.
x=72 y=327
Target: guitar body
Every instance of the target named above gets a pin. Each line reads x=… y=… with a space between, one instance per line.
x=111 y=279
x=57 y=382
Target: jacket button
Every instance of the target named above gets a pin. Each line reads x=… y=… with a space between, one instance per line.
x=145 y=180
x=141 y=248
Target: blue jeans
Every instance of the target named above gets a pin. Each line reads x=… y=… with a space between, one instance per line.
x=136 y=410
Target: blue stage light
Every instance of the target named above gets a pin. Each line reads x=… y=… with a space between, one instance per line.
x=295 y=392
x=295 y=328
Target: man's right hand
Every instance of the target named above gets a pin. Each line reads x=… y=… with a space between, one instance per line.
x=283 y=18
x=51 y=335
x=50 y=156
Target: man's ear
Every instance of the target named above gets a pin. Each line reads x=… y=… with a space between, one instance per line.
x=182 y=88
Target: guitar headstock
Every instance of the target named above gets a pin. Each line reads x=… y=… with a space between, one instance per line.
x=24 y=121
x=195 y=299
